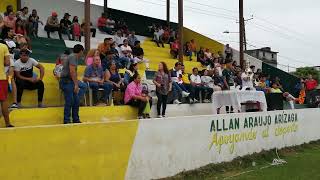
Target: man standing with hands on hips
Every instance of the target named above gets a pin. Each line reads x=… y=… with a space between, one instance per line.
x=72 y=88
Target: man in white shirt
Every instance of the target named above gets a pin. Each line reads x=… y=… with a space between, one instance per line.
x=118 y=38
x=157 y=37
x=161 y=31
x=25 y=77
x=247 y=79
x=199 y=87
x=110 y=23
x=125 y=50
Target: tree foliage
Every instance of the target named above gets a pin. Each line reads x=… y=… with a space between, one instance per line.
x=305 y=71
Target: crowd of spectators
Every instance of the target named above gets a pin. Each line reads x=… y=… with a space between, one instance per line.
x=25 y=25
x=123 y=51
x=19 y=26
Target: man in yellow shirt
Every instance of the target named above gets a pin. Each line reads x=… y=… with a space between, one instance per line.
x=4 y=61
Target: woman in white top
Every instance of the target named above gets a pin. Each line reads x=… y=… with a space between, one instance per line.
x=199 y=87
x=125 y=50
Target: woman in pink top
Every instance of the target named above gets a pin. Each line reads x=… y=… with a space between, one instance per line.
x=92 y=53
x=134 y=96
x=76 y=29
x=10 y=21
x=175 y=49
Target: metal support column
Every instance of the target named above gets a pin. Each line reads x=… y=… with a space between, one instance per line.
x=180 y=29
x=168 y=13
x=105 y=7
x=241 y=34
x=87 y=25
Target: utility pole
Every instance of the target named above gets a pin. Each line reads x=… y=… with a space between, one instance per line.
x=244 y=30
x=180 y=29
x=18 y=5
x=241 y=34
x=87 y=25
x=168 y=14
x=244 y=35
x=105 y=7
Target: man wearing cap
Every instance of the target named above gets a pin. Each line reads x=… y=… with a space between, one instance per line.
x=4 y=61
x=53 y=25
x=26 y=78
x=65 y=25
x=72 y=88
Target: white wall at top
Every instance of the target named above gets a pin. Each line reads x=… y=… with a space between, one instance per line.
x=253 y=61
x=267 y=55
x=74 y=8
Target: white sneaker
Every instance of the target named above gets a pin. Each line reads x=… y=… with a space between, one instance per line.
x=195 y=100
x=160 y=116
x=185 y=94
x=176 y=101
x=191 y=101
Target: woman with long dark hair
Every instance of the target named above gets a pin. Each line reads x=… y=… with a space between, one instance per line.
x=113 y=77
x=162 y=80
x=133 y=69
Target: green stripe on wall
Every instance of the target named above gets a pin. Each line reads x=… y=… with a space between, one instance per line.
x=288 y=80
x=47 y=50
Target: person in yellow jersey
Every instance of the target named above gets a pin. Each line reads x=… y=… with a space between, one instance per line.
x=4 y=61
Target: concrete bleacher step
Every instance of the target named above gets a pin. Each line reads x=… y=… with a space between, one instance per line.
x=54 y=115
x=76 y=151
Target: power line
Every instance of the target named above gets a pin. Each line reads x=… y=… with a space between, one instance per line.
x=279 y=26
x=230 y=17
x=224 y=16
x=268 y=29
x=213 y=7
x=200 y=11
x=295 y=60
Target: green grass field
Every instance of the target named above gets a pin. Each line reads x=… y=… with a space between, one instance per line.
x=303 y=163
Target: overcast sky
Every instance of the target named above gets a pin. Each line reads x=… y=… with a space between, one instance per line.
x=289 y=27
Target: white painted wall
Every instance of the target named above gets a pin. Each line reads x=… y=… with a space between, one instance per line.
x=74 y=8
x=165 y=147
x=253 y=61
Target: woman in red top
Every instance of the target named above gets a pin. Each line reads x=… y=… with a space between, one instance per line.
x=76 y=29
x=20 y=28
x=175 y=49
x=21 y=33
x=10 y=20
x=102 y=24
x=166 y=35
x=311 y=84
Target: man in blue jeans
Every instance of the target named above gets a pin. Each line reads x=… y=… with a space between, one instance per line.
x=72 y=88
x=94 y=75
